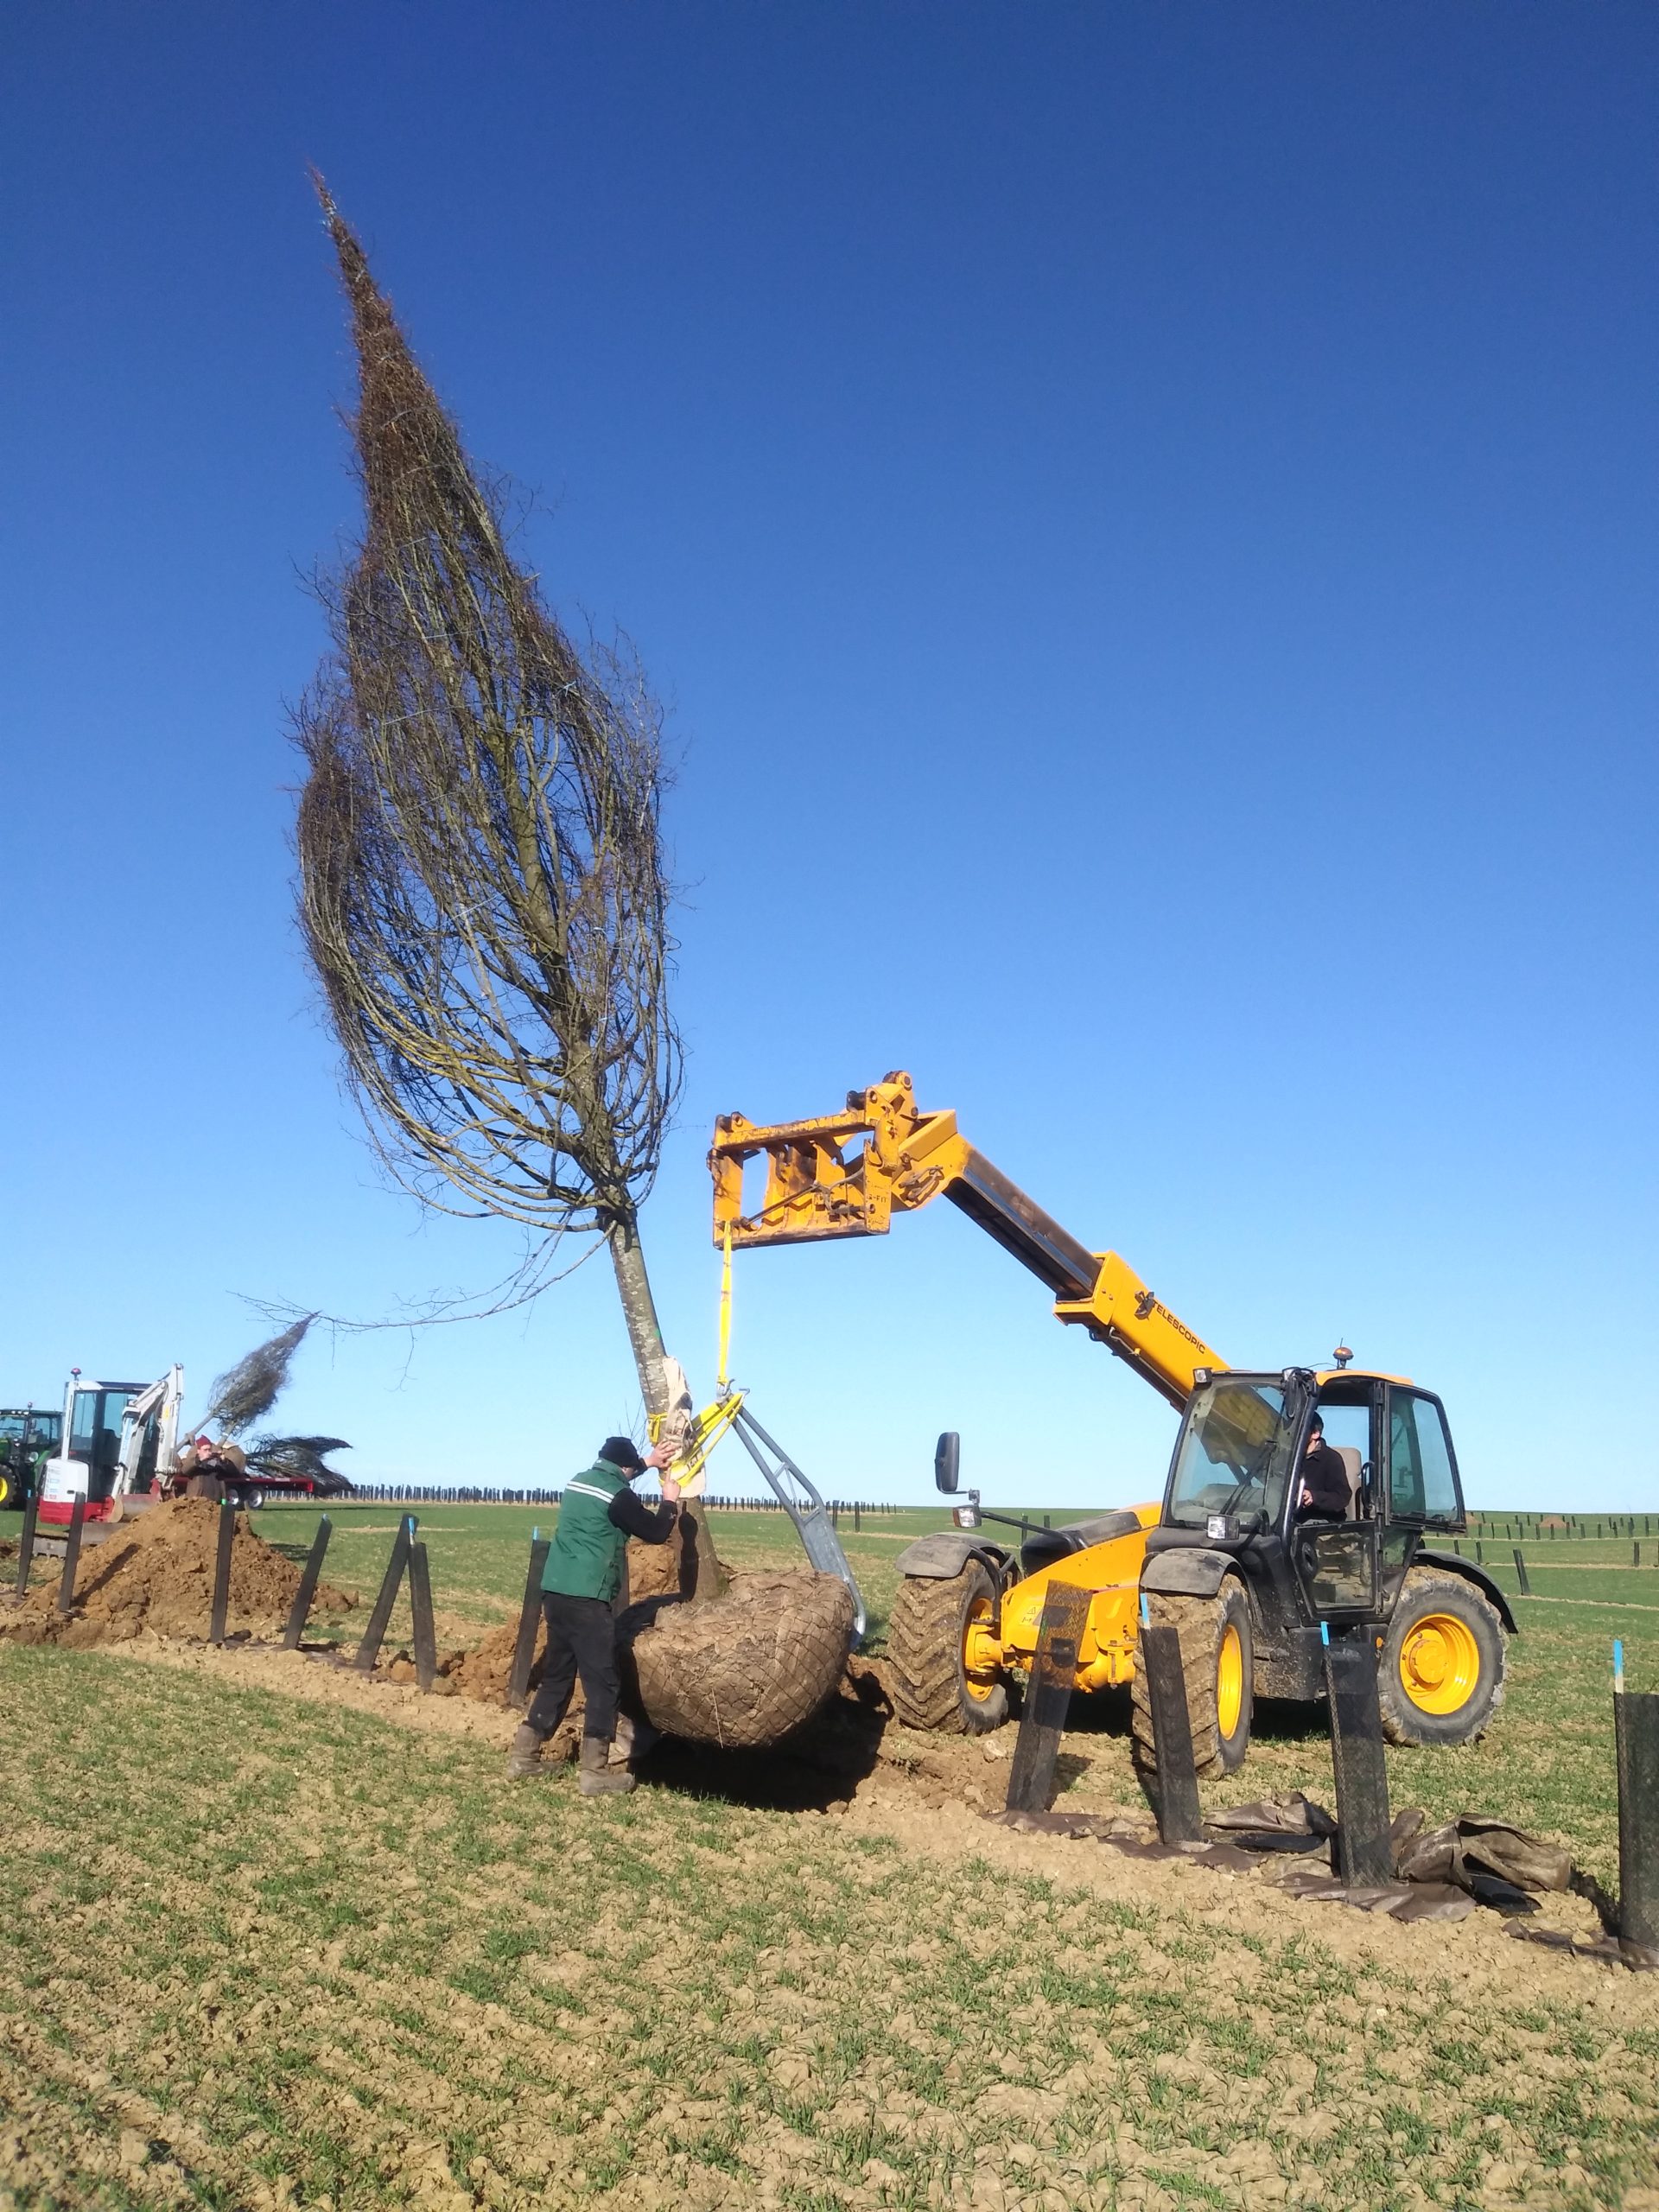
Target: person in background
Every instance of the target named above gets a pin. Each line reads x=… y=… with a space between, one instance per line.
x=1323 y=1492
x=598 y=1513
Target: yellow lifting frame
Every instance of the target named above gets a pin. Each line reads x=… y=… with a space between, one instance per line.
x=818 y=1186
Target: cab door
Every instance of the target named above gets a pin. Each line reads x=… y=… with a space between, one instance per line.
x=95 y=1437
x=1424 y=1492
x=1340 y=1563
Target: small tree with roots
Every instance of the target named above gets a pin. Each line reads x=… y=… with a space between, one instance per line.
x=484 y=891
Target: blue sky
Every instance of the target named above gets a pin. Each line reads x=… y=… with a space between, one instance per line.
x=1145 y=518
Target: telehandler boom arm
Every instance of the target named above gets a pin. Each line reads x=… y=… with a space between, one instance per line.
x=815 y=1188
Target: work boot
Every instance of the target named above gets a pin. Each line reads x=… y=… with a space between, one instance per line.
x=632 y=1739
x=524 y=1753
x=599 y=1779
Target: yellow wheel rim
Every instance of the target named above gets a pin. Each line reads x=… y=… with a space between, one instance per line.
x=1439 y=1663
x=1229 y=1680
x=979 y=1666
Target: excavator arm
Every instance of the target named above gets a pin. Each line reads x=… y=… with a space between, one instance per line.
x=817 y=1187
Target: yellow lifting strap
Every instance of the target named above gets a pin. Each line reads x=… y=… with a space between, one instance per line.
x=722 y=1381
x=708 y=1427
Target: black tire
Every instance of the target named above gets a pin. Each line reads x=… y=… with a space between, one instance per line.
x=1209 y=1626
x=11 y=1494
x=930 y=1687
x=1424 y=1665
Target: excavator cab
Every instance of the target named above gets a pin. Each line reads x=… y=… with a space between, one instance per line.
x=117 y=1436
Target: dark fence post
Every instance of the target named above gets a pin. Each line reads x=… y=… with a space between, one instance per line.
x=1365 y=1853
x=420 y=1601
x=1635 y=1734
x=222 y=1571
x=307 y=1589
x=1053 y=1677
x=1520 y=1570
x=72 y=1557
x=26 y=1548
x=369 y=1650
x=1176 y=1802
x=524 y=1651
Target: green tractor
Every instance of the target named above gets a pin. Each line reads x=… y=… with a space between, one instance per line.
x=27 y=1437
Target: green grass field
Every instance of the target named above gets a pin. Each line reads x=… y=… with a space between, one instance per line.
x=273 y=1951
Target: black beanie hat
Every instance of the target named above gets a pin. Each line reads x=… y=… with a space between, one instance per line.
x=621 y=1452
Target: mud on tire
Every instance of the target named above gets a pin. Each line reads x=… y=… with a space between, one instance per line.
x=1441 y=1675
x=931 y=1688
x=1208 y=1627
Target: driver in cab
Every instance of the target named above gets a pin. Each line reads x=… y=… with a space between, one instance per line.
x=1324 y=1493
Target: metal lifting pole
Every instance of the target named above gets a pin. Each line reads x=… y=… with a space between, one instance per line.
x=800 y=1499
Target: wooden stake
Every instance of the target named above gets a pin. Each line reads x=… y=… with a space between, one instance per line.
x=26 y=1546
x=1364 y=1851
x=529 y=1613
x=72 y=1557
x=222 y=1571
x=1053 y=1676
x=420 y=1601
x=307 y=1589
x=1180 y=1820
x=374 y=1635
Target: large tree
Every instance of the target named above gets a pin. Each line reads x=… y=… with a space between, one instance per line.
x=484 y=888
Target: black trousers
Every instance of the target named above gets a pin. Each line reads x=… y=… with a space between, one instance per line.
x=581 y=1640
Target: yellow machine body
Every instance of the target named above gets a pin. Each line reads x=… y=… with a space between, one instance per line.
x=848 y=1174
x=1106 y=1651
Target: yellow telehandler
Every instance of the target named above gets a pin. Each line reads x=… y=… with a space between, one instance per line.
x=1231 y=1557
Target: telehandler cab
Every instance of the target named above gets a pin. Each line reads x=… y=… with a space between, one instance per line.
x=1228 y=1559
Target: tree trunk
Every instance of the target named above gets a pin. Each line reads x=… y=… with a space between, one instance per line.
x=699 y=1576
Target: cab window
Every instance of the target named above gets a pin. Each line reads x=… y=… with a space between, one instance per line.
x=1348 y=1430
x=1421 y=1484
x=84 y=1427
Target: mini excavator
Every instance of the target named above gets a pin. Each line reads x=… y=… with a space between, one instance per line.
x=1228 y=1557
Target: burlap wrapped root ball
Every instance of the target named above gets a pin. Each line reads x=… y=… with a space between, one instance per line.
x=747 y=1668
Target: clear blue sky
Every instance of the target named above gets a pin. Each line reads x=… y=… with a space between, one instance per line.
x=1145 y=516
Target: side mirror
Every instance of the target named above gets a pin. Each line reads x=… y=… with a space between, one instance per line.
x=947 y=1462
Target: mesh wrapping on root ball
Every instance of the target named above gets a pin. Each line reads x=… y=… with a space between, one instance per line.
x=747 y=1668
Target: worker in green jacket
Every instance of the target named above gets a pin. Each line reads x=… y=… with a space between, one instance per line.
x=598 y=1513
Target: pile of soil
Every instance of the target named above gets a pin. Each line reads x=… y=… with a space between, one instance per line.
x=745 y=1670
x=485 y=1671
x=154 y=1576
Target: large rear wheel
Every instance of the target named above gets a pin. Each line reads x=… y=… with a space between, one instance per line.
x=1218 y=1660
x=1441 y=1677
x=936 y=1685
